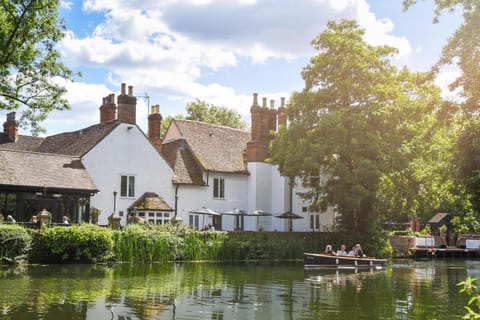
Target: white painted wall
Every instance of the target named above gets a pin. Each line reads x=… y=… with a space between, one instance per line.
x=126 y=151
x=194 y=197
x=269 y=191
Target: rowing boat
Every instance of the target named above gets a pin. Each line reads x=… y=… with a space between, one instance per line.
x=320 y=260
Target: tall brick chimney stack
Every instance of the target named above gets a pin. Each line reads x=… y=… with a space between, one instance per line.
x=255 y=114
x=127 y=105
x=257 y=147
x=108 y=109
x=154 y=127
x=264 y=115
x=10 y=127
x=282 y=117
x=272 y=119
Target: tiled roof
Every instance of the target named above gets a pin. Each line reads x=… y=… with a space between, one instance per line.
x=78 y=143
x=216 y=148
x=150 y=201
x=439 y=217
x=32 y=169
x=180 y=158
x=26 y=143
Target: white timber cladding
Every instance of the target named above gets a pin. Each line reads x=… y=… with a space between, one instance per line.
x=126 y=151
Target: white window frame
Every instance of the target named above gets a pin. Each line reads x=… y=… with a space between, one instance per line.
x=129 y=191
x=218 y=188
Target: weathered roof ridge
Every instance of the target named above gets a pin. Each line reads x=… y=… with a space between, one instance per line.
x=212 y=125
x=217 y=148
x=78 y=142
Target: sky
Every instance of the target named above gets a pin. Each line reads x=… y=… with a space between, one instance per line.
x=221 y=51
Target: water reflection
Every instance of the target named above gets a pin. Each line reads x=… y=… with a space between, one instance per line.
x=404 y=290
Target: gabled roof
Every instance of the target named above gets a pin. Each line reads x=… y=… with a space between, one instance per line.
x=150 y=201
x=181 y=159
x=215 y=148
x=39 y=170
x=78 y=143
x=26 y=143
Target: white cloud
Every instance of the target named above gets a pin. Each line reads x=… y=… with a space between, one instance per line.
x=168 y=47
x=67 y=5
x=444 y=79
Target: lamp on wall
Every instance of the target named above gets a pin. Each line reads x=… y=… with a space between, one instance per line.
x=114 y=200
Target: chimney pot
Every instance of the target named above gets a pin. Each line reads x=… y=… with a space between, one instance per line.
x=264 y=102
x=123 y=87
x=255 y=99
x=155 y=109
x=282 y=102
x=272 y=104
x=130 y=90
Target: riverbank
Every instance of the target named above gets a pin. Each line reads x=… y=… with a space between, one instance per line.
x=146 y=243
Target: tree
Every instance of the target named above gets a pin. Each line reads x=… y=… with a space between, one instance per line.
x=29 y=62
x=462 y=49
x=349 y=127
x=199 y=110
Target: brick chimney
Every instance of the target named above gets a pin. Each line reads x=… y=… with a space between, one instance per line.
x=272 y=119
x=264 y=116
x=255 y=118
x=10 y=127
x=282 y=117
x=127 y=105
x=257 y=147
x=154 y=127
x=108 y=109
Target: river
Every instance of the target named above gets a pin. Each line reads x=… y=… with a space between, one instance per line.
x=403 y=290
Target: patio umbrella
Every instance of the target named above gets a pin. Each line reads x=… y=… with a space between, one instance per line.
x=259 y=213
x=237 y=213
x=205 y=211
x=290 y=216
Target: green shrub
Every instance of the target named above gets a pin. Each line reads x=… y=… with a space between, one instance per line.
x=84 y=243
x=137 y=243
x=15 y=241
x=166 y=243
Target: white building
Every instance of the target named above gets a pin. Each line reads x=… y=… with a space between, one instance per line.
x=225 y=170
x=196 y=165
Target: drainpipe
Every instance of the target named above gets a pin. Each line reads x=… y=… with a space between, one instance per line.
x=176 y=201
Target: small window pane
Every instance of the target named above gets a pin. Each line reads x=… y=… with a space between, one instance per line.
x=222 y=188
x=131 y=187
x=123 y=186
x=215 y=188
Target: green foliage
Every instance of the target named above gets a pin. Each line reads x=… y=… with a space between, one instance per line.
x=199 y=110
x=470 y=288
x=15 y=241
x=84 y=243
x=279 y=246
x=29 y=61
x=136 y=243
x=462 y=49
x=368 y=127
x=166 y=243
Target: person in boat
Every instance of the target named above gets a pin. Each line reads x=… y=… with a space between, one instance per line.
x=328 y=249
x=359 y=251
x=353 y=252
x=342 y=251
